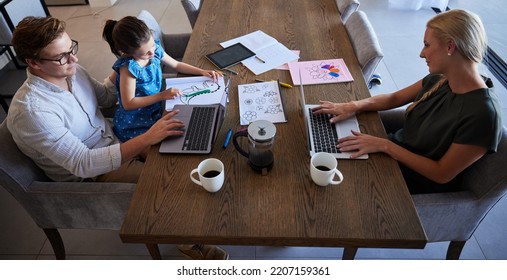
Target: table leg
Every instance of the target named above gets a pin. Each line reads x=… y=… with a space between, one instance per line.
x=154 y=252
x=349 y=253
x=454 y=250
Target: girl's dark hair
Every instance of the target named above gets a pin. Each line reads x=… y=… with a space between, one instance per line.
x=126 y=35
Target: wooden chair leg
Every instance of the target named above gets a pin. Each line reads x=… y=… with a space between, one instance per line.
x=454 y=250
x=56 y=242
x=154 y=251
x=349 y=253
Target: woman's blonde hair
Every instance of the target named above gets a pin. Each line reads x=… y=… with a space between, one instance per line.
x=467 y=32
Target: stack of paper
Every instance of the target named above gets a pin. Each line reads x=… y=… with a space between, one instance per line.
x=269 y=52
x=323 y=71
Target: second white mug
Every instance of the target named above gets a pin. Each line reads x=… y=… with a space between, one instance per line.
x=323 y=168
x=211 y=174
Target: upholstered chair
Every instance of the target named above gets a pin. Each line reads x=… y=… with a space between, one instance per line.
x=365 y=43
x=173 y=44
x=454 y=216
x=346 y=8
x=192 y=8
x=60 y=205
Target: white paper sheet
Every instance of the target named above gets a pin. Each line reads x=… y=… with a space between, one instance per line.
x=267 y=48
x=286 y=65
x=254 y=41
x=260 y=101
x=189 y=86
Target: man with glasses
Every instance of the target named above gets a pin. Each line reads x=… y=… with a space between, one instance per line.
x=64 y=57
x=55 y=116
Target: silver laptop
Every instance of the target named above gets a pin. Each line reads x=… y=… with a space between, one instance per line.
x=321 y=134
x=202 y=124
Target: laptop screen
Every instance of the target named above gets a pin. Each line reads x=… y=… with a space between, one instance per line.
x=303 y=103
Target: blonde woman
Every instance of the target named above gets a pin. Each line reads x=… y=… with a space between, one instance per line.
x=454 y=117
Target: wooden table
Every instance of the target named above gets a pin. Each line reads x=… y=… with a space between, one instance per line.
x=371 y=208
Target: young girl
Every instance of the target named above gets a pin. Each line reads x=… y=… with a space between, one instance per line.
x=139 y=75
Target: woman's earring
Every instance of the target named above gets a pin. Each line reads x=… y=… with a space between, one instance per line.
x=449 y=54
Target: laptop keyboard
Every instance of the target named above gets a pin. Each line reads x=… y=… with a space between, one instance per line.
x=199 y=129
x=324 y=133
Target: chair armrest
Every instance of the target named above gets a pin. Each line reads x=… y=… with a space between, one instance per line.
x=109 y=111
x=446 y=198
x=78 y=205
x=80 y=187
x=449 y=216
x=176 y=44
x=393 y=119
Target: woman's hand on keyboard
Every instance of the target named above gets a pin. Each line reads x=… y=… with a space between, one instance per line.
x=340 y=111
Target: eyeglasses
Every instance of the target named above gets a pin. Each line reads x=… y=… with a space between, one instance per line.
x=64 y=57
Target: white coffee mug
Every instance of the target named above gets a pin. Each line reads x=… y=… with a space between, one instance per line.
x=211 y=174
x=323 y=168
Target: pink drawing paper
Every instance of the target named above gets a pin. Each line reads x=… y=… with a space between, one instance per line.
x=323 y=71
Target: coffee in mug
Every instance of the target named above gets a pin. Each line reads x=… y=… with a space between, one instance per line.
x=210 y=173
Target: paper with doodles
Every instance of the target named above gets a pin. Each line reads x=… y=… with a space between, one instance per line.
x=198 y=90
x=323 y=71
x=260 y=101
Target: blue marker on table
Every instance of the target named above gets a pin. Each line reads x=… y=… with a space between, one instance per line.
x=227 y=138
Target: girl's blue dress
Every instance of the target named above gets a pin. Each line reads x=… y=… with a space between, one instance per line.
x=131 y=123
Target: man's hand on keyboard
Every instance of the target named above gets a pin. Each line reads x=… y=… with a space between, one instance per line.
x=166 y=126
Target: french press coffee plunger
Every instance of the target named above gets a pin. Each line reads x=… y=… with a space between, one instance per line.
x=261 y=137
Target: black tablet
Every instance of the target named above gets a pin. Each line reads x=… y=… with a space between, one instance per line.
x=229 y=56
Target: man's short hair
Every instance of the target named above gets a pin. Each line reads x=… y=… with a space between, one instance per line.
x=33 y=34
